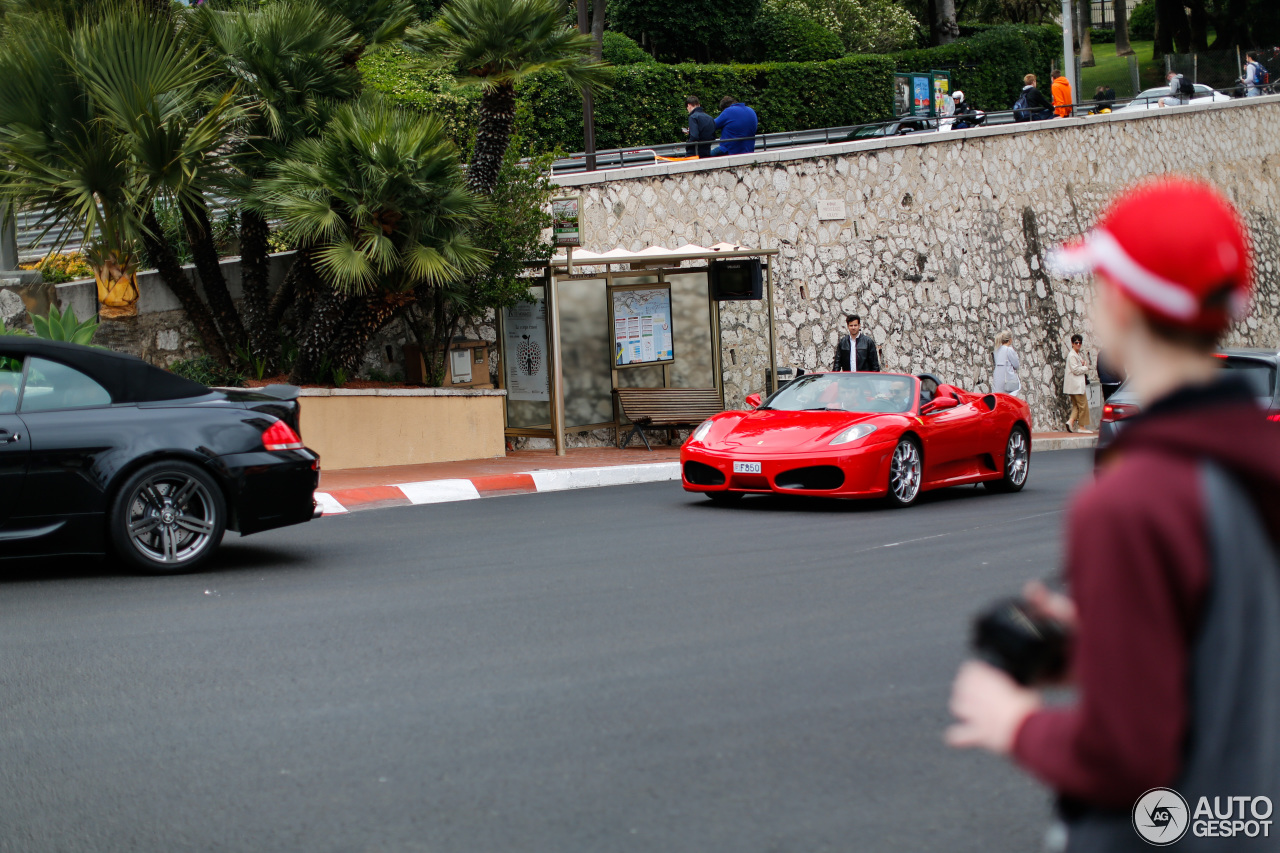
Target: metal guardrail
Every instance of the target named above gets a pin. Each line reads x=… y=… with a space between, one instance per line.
x=616 y=158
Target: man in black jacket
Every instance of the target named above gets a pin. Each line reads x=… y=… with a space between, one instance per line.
x=702 y=128
x=866 y=358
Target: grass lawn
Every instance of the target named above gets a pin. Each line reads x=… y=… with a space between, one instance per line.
x=1113 y=70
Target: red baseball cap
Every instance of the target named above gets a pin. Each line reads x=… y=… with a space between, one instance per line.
x=1177 y=247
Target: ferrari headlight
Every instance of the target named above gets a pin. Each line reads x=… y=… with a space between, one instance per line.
x=701 y=432
x=854 y=433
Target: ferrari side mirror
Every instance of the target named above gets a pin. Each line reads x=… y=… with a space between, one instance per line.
x=753 y=401
x=937 y=404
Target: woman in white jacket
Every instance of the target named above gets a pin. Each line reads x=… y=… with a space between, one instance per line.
x=1006 y=379
x=1073 y=385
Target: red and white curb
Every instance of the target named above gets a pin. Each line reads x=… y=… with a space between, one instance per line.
x=529 y=482
x=555 y=480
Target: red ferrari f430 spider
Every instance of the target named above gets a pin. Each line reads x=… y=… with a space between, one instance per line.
x=861 y=435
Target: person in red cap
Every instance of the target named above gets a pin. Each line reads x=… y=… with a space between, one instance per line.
x=1174 y=607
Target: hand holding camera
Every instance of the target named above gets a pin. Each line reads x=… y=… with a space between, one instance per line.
x=1019 y=643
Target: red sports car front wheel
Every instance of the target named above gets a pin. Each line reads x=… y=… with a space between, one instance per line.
x=905 y=470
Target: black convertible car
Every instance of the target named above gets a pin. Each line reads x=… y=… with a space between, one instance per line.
x=101 y=452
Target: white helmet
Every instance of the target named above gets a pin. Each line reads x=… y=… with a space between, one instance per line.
x=958 y=95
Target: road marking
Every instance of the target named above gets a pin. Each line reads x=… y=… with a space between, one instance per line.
x=440 y=491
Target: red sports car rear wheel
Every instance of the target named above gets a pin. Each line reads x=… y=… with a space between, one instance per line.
x=1017 y=463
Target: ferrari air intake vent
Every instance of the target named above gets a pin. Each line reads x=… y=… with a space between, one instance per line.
x=703 y=475
x=818 y=477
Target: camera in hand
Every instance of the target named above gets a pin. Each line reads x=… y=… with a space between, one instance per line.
x=1030 y=647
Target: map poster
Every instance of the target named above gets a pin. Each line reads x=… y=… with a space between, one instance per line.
x=566 y=221
x=524 y=329
x=642 y=326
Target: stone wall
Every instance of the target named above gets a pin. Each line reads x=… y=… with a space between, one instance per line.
x=945 y=235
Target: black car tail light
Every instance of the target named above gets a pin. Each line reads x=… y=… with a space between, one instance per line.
x=1113 y=412
x=280 y=436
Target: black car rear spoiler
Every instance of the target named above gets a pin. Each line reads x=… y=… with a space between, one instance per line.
x=280 y=392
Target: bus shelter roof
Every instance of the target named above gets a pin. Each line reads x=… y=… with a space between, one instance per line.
x=658 y=255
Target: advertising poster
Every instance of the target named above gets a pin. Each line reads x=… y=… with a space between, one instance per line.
x=642 y=326
x=902 y=94
x=942 y=103
x=922 y=104
x=524 y=327
x=566 y=225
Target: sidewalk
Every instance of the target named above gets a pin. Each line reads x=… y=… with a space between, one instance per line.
x=529 y=471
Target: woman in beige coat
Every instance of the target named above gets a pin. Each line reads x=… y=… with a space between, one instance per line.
x=1074 y=387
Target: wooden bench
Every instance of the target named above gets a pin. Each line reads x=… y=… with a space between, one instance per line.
x=666 y=408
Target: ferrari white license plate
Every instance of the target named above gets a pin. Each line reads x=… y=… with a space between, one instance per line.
x=746 y=467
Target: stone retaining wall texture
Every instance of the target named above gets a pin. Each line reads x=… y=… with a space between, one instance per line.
x=946 y=237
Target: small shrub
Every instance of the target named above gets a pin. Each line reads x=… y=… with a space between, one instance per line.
x=785 y=37
x=1142 y=21
x=620 y=49
x=1099 y=36
x=58 y=269
x=206 y=371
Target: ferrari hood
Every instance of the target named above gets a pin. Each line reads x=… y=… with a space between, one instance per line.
x=766 y=429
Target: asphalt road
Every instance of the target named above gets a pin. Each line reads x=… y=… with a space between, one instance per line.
x=621 y=669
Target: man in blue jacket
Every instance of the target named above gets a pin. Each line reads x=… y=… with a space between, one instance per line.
x=734 y=122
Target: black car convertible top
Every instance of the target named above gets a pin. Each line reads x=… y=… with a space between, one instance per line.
x=126 y=378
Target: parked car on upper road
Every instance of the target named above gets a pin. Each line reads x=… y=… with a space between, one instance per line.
x=1149 y=99
x=101 y=451
x=861 y=435
x=1257 y=366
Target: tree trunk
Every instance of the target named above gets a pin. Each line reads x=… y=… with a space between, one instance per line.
x=597 y=28
x=255 y=275
x=1173 y=34
x=316 y=336
x=166 y=261
x=368 y=316
x=1086 y=38
x=205 y=254
x=1121 y=9
x=497 y=113
x=945 y=29
x=1199 y=26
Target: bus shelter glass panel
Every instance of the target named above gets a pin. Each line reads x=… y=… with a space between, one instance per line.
x=586 y=351
x=744 y=349
x=525 y=363
x=642 y=375
x=694 y=366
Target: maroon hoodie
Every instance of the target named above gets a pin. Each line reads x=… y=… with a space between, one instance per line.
x=1138 y=565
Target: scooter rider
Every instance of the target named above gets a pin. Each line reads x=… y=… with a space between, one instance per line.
x=966 y=114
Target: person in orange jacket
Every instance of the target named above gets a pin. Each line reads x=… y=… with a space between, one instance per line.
x=1062 y=96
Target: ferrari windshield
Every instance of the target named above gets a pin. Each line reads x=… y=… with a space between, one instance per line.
x=845 y=392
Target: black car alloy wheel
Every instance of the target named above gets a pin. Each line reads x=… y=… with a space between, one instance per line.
x=168 y=517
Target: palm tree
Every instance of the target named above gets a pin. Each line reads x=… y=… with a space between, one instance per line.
x=62 y=159
x=496 y=44
x=380 y=194
x=288 y=60
x=149 y=81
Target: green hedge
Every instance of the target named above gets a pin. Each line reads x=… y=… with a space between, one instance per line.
x=646 y=105
x=1142 y=22
x=784 y=37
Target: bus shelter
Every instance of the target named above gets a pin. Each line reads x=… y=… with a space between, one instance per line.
x=595 y=323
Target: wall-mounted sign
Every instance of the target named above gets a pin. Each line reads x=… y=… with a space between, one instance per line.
x=524 y=329
x=831 y=208
x=642 y=325
x=566 y=224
